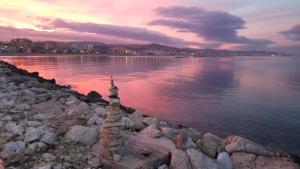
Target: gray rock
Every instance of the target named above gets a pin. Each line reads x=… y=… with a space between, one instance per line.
x=240 y=144
x=48 y=166
x=210 y=144
x=100 y=111
x=163 y=167
x=83 y=135
x=137 y=118
x=58 y=166
x=33 y=123
x=180 y=160
x=35 y=147
x=201 y=161
x=127 y=123
x=40 y=134
x=14 y=128
x=49 y=107
x=152 y=131
x=168 y=132
x=13 y=151
x=183 y=141
x=224 y=160
x=6 y=104
x=21 y=107
x=94 y=120
x=151 y=121
x=77 y=110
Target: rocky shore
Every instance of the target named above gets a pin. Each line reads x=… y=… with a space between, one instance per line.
x=48 y=126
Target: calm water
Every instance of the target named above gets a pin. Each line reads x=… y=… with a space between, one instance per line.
x=256 y=97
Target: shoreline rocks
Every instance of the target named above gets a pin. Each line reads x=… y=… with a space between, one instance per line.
x=45 y=125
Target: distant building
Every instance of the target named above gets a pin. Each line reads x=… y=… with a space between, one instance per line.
x=21 y=45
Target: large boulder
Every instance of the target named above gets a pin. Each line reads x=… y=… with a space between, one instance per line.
x=224 y=160
x=13 y=151
x=210 y=144
x=239 y=144
x=243 y=160
x=142 y=142
x=83 y=135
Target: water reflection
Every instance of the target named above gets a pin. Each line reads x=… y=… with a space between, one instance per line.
x=257 y=97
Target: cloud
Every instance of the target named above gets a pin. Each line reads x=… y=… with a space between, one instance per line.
x=293 y=33
x=125 y=32
x=211 y=25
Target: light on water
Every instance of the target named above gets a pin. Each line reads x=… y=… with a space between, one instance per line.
x=256 y=97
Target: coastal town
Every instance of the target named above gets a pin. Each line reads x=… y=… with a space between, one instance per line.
x=26 y=46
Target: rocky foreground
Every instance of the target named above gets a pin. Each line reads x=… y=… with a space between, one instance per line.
x=47 y=126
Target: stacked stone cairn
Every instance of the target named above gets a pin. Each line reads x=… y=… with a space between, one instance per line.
x=111 y=140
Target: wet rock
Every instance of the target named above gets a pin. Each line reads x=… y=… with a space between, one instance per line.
x=83 y=135
x=240 y=144
x=13 y=151
x=210 y=144
x=94 y=96
x=152 y=131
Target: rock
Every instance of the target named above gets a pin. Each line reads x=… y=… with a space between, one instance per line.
x=168 y=132
x=58 y=166
x=72 y=100
x=21 y=107
x=33 y=123
x=151 y=121
x=77 y=110
x=239 y=144
x=243 y=160
x=210 y=144
x=40 y=134
x=94 y=120
x=183 y=141
x=6 y=104
x=127 y=123
x=48 y=157
x=49 y=107
x=14 y=128
x=13 y=151
x=224 y=160
x=137 y=118
x=94 y=96
x=35 y=147
x=180 y=160
x=201 y=161
x=163 y=167
x=100 y=111
x=48 y=166
x=83 y=135
x=152 y=131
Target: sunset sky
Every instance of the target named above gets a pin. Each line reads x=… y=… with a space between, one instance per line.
x=221 y=24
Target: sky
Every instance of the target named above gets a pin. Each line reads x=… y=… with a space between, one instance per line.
x=221 y=24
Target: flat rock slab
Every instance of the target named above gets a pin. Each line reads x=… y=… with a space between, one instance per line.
x=143 y=152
